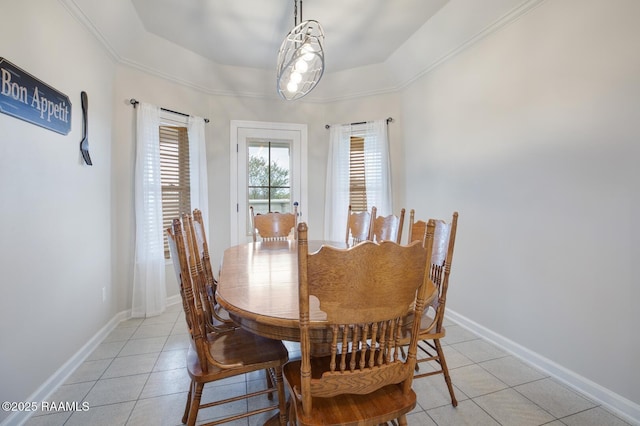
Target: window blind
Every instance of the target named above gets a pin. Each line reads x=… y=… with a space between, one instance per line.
x=357 y=177
x=174 y=171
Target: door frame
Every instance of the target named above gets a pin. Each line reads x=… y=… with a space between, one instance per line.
x=264 y=129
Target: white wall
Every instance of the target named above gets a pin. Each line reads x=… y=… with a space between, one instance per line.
x=55 y=248
x=532 y=135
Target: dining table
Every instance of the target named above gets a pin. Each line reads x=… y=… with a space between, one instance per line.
x=258 y=287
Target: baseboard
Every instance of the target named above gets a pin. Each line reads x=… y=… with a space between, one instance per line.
x=172 y=300
x=62 y=374
x=620 y=406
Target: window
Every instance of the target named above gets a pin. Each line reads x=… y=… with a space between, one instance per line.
x=358 y=173
x=174 y=176
x=269 y=183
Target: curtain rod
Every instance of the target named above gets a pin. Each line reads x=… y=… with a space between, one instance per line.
x=389 y=120
x=134 y=103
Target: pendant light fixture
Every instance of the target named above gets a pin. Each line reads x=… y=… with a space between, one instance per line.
x=300 y=58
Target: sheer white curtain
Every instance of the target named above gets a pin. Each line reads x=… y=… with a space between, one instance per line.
x=149 y=292
x=198 y=169
x=337 y=185
x=377 y=167
x=377 y=174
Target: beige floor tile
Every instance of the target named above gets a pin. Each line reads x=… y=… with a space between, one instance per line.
x=106 y=350
x=474 y=381
x=176 y=341
x=510 y=408
x=557 y=399
x=119 y=389
x=432 y=392
x=593 y=417
x=143 y=346
x=166 y=382
x=455 y=358
x=457 y=334
x=479 y=350
x=512 y=371
x=129 y=365
x=120 y=334
x=420 y=418
x=105 y=415
x=57 y=419
x=467 y=413
x=164 y=410
x=89 y=371
x=153 y=330
x=165 y=317
x=170 y=360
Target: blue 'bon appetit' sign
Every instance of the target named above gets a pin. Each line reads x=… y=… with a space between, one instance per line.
x=25 y=97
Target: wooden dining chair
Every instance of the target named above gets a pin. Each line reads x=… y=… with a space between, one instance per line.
x=431 y=324
x=273 y=226
x=363 y=380
x=217 y=318
x=216 y=356
x=387 y=228
x=358 y=227
x=417 y=228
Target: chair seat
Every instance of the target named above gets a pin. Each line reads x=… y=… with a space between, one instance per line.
x=425 y=323
x=380 y=406
x=251 y=351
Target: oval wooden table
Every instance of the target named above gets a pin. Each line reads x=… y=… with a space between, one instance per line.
x=258 y=286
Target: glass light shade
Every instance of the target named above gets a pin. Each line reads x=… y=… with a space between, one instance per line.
x=301 y=56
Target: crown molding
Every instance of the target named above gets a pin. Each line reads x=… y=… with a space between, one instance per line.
x=508 y=18
x=76 y=12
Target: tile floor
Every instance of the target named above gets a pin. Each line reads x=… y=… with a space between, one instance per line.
x=137 y=377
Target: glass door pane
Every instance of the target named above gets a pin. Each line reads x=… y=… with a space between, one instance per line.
x=269 y=176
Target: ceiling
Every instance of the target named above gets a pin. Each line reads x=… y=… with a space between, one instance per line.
x=230 y=47
x=248 y=33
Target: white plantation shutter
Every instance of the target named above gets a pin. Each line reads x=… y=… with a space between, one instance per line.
x=357 y=175
x=175 y=176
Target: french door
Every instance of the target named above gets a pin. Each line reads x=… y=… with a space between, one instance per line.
x=268 y=171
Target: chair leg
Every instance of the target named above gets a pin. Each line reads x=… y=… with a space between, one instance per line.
x=267 y=374
x=282 y=400
x=187 y=407
x=292 y=412
x=195 y=404
x=402 y=420
x=445 y=371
